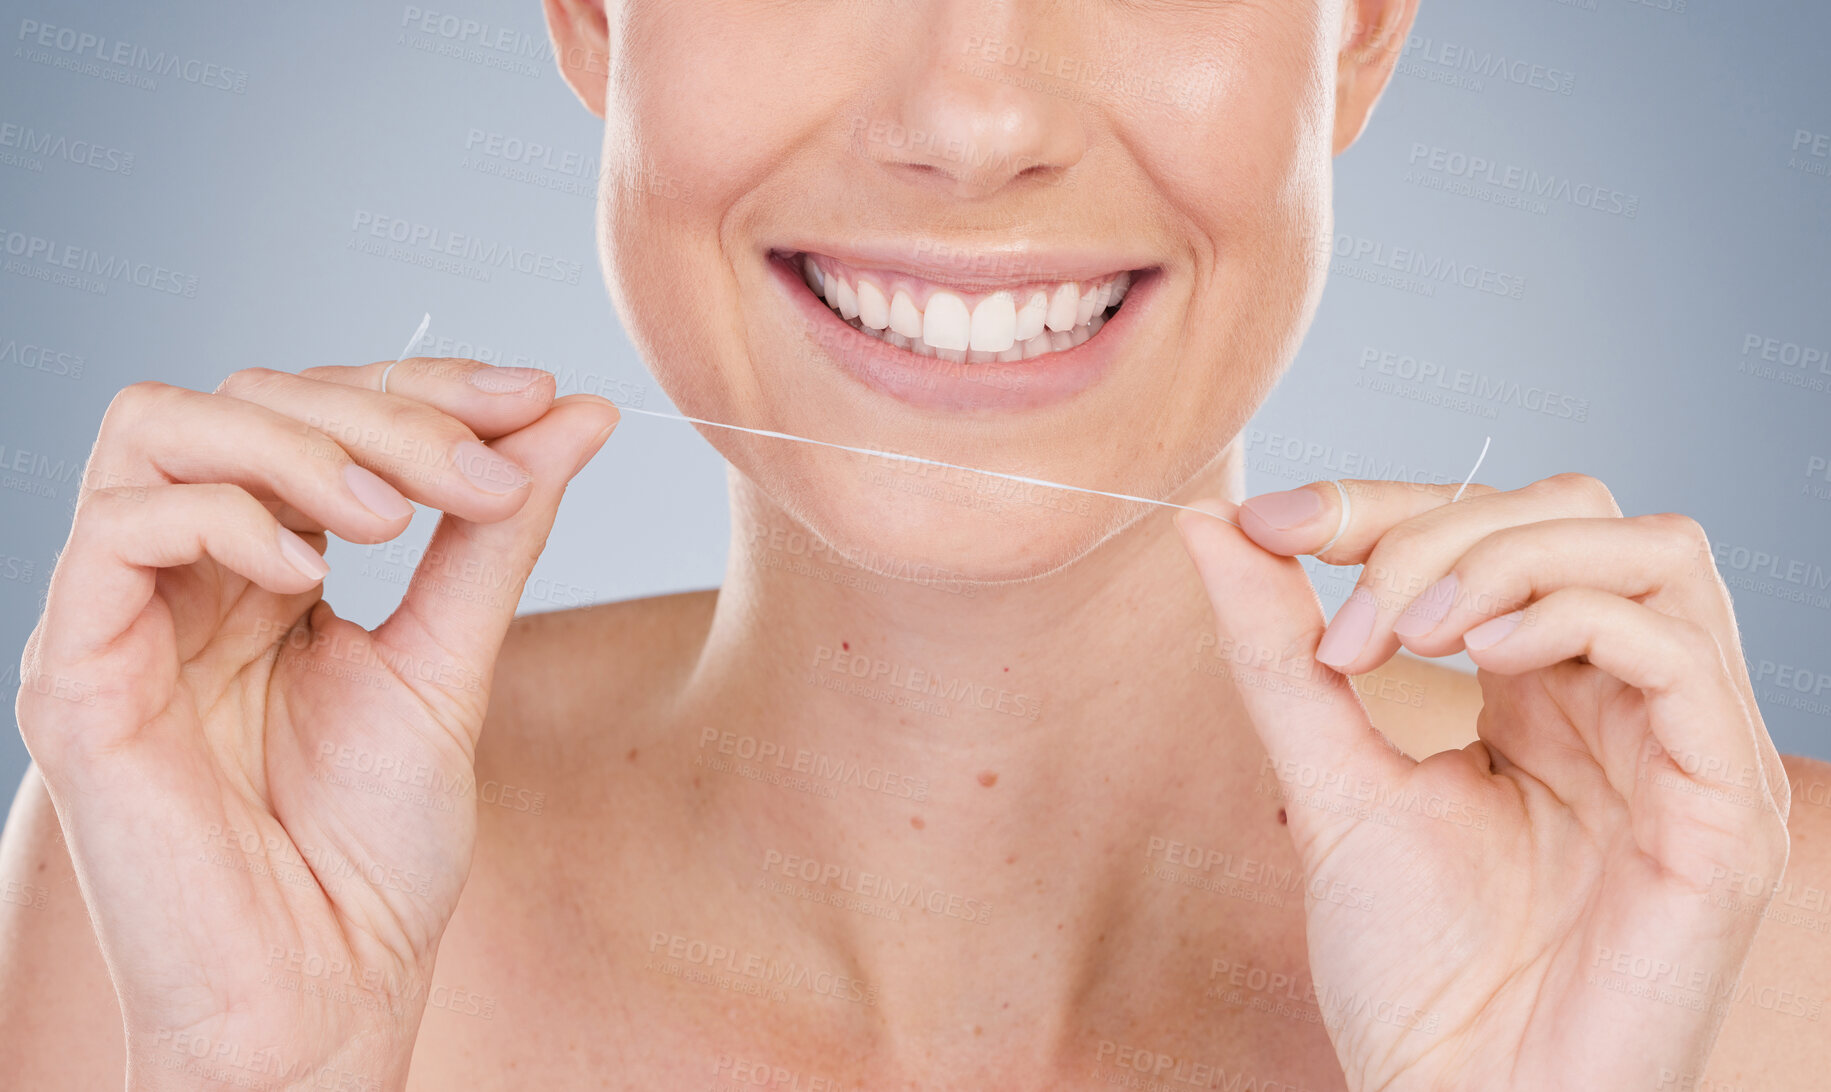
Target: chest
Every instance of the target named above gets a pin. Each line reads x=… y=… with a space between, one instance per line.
x=527 y=996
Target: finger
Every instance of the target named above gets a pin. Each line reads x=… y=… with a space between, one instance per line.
x=1693 y=708
x=154 y=433
x=490 y=401
x=1409 y=556
x=1305 y=519
x=1660 y=558
x=119 y=540
x=465 y=591
x=1268 y=621
x=427 y=454
x=1662 y=561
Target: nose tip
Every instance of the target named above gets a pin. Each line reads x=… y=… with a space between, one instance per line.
x=972 y=135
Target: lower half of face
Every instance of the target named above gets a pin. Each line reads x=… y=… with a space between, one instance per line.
x=1077 y=251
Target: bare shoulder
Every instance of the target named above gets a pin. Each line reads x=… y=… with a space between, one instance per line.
x=60 y=1025
x=1774 y=1035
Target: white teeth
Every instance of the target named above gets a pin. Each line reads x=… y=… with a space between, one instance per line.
x=946 y=323
x=873 y=309
x=1062 y=307
x=1085 y=308
x=904 y=318
x=1030 y=316
x=996 y=329
x=848 y=299
x=994 y=323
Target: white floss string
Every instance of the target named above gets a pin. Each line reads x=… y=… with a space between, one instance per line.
x=412 y=344
x=427 y=321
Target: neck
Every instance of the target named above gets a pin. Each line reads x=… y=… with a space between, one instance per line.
x=1016 y=748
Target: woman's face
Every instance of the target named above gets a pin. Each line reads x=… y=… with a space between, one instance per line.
x=973 y=183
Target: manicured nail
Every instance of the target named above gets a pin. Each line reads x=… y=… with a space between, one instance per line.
x=1427 y=609
x=375 y=494
x=300 y=553
x=1491 y=632
x=1283 y=511
x=503 y=380
x=487 y=470
x=1348 y=632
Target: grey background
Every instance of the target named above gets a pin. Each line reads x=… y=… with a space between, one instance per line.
x=1623 y=357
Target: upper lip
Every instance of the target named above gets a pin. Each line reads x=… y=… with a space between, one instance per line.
x=977 y=266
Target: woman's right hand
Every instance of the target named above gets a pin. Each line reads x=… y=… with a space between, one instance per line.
x=271 y=810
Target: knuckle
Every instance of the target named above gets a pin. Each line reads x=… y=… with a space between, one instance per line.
x=1685 y=532
x=1587 y=492
x=132 y=402
x=246 y=382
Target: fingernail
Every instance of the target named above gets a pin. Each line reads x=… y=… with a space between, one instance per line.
x=487 y=470
x=300 y=553
x=1283 y=511
x=1348 y=631
x=1491 y=632
x=1427 y=609
x=503 y=380
x=375 y=494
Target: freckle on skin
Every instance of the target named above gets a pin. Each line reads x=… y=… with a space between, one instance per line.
x=632 y=754
x=1012 y=859
x=988 y=778
x=916 y=822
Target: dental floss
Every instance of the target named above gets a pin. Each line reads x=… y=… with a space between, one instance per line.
x=1485 y=441
x=427 y=321
x=412 y=344
x=924 y=462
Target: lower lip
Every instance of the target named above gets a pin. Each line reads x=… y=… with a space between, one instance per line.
x=932 y=383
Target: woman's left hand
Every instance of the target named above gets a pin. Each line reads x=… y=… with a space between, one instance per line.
x=1562 y=904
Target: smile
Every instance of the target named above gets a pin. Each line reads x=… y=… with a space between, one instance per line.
x=1010 y=323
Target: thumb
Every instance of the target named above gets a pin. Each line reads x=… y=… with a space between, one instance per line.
x=464 y=593
x=1315 y=732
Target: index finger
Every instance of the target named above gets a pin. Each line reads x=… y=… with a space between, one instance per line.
x=1340 y=522
x=491 y=401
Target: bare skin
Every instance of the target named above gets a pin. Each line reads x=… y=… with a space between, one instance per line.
x=541 y=973
x=1137 y=818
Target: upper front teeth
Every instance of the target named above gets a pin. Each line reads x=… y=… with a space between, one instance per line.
x=997 y=324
